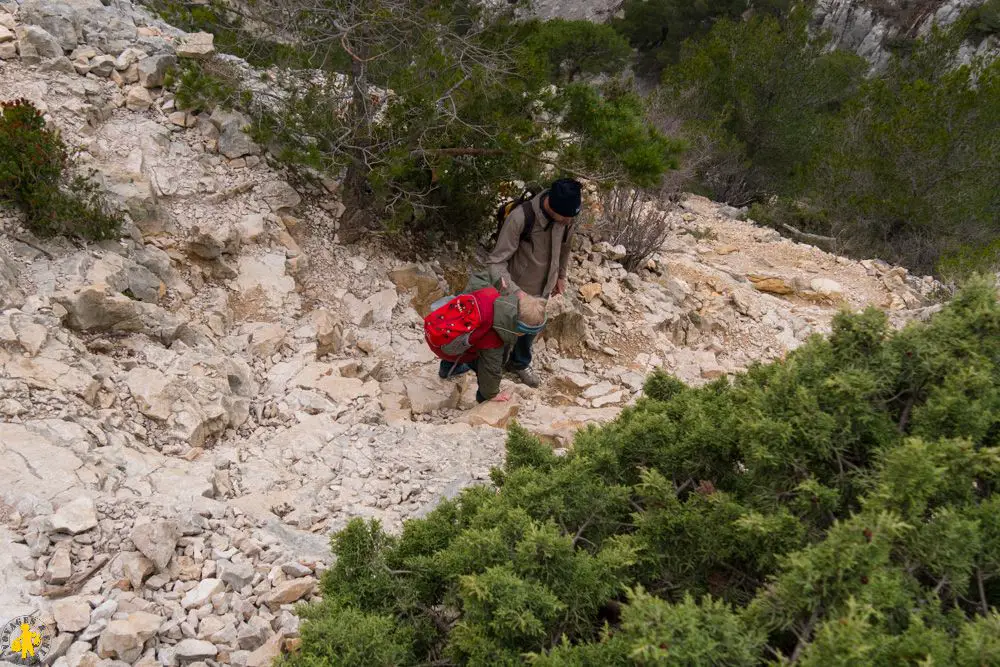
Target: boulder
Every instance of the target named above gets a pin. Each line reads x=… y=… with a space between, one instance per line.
x=295 y=570
x=251 y=227
x=771 y=284
x=107 y=28
x=57 y=18
x=590 y=291
x=381 y=304
x=429 y=394
x=599 y=389
x=138 y=99
x=44 y=373
x=497 y=414
x=128 y=57
x=326 y=378
x=196 y=45
x=329 y=332
x=60 y=567
x=148 y=386
x=202 y=593
x=290 y=591
x=237 y=575
x=279 y=195
x=266 y=654
x=10 y=295
x=826 y=287
x=211 y=242
x=136 y=568
x=189 y=650
x=153 y=70
x=565 y=325
x=233 y=141
x=71 y=614
x=95 y=308
x=156 y=540
x=194 y=408
x=102 y=66
x=266 y=340
x=36 y=45
x=124 y=638
x=76 y=516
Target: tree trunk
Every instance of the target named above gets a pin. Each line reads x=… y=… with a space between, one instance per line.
x=357 y=217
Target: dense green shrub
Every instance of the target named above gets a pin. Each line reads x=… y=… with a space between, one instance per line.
x=834 y=508
x=574 y=48
x=658 y=28
x=913 y=172
x=34 y=177
x=984 y=20
x=903 y=165
x=762 y=93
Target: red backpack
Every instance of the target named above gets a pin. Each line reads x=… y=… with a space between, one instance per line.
x=454 y=328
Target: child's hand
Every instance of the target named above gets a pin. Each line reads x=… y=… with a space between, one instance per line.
x=502 y=397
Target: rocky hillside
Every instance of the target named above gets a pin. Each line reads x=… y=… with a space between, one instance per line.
x=866 y=27
x=187 y=413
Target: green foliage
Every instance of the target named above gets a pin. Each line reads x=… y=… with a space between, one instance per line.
x=202 y=86
x=903 y=165
x=658 y=28
x=913 y=174
x=984 y=20
x=834 y=508
x=763 y=91
x=472 y=106
x=574 y=48
x=34 y=177
x=615 y=139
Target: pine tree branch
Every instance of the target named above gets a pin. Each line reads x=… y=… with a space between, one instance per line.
x=806 y=634
x=904 y=418
x=982 y=591
x=579 y=533
x=806 y=236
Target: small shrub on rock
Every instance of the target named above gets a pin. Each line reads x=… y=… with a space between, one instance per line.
x=34 y=164
x=636 y=220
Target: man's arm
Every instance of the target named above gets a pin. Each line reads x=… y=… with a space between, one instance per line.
x=507 y=243
x=489 y=372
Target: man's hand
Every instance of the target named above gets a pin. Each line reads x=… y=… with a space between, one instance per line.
x=502 y=397
x=560 y=287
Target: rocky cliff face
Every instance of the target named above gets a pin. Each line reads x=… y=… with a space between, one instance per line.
x=867 y=27
x=187 y=413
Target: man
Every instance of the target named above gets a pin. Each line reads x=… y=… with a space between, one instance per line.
x=505 y=319
x=537 y=263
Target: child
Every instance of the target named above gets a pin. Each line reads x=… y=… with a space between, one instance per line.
x=503 y=319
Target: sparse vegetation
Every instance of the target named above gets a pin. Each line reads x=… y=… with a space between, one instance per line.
x=634 y=219
x=202 y=86
x=35 y=176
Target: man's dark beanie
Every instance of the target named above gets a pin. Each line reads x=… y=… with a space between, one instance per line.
x=564 y=197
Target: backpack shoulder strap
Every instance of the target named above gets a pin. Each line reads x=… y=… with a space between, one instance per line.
x=529 y=220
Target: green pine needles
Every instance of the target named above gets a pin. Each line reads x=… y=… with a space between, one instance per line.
x=834 y=508
x=35 y=178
